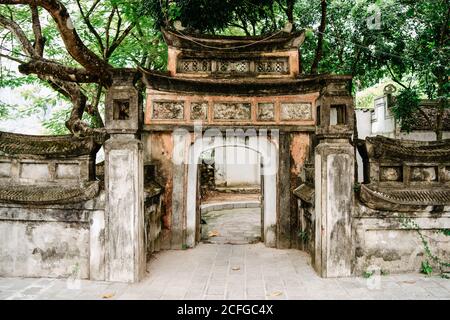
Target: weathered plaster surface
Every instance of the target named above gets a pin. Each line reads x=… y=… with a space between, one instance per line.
x=53 y=241
x=158 y=150
x=383 y=242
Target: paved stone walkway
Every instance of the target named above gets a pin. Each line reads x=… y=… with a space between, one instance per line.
x=232 y=272
x=235 y=226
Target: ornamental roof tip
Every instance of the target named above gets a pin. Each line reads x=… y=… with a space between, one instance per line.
x=380 y=147
x=280 y=40
x=403 y=199
x=48 y=194
x=64 y=146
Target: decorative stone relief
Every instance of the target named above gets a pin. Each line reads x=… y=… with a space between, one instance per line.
x=447 y=174
x=424 y=174
x=232 y=111
x=263 y=66
x=272 y=66
x=391 y=173
x=296 y=111
x=193 y=65
x=233 y=66
x=266 y=111
x=168 y=110
x=199 y=110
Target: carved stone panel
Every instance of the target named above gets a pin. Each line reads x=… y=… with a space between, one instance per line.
x=193 y=65
x=266 y=111
x=199 y=110
x=296 y=111
x=168 y=110
x=240 y=66
x=394 y=173
x=422 y=173
x=232 y=111
x=272 y=66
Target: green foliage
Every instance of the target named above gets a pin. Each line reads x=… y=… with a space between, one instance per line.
x=56 y=123
x=426 y=265
x=405 y=108
x=368 y=274
x=5 y=110
x=303 y=235
x=426 y=268
x=365 y=102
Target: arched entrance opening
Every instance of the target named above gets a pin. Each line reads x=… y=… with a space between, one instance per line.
x=268 y=156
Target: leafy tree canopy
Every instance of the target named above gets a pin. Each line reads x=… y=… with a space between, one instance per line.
x=74 y=46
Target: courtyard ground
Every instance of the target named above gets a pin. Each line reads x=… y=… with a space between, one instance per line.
x=224 y=271
x=232 y=226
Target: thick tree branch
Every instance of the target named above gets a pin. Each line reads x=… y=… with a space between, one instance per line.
x=92 y=109
x=108 y=26
x=319 y=48
x=118 y=26
x=70 y=37
x=56 y=70
x=19 y=34
x=38 y=38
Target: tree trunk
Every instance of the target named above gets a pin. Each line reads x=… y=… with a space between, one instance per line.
x=319 y=48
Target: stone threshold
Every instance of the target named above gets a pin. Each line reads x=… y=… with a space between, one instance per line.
x=217 y=206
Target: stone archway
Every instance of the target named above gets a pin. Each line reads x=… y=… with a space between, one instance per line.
x=269 y=158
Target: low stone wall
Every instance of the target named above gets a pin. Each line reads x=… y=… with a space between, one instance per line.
x=53 y=240
x=383 y=241
x=403 y=205
x=52 y=207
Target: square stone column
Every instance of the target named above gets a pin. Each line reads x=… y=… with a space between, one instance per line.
x=334 y=180
x=125 y=250
x=334 y=168
x=124 y=183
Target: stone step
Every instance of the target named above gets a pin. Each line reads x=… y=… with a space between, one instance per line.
x=217 y=206
x=249 y=189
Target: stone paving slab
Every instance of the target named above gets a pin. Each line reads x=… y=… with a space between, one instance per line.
x=232 y=226
x=238 y=272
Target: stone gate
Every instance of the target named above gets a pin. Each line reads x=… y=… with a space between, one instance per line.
x=217 y=86
x=62 y=215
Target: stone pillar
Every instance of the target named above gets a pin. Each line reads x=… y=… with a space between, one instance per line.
x=125 y=248
x=284 y=193
x=334 y=180
x=334 y=165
